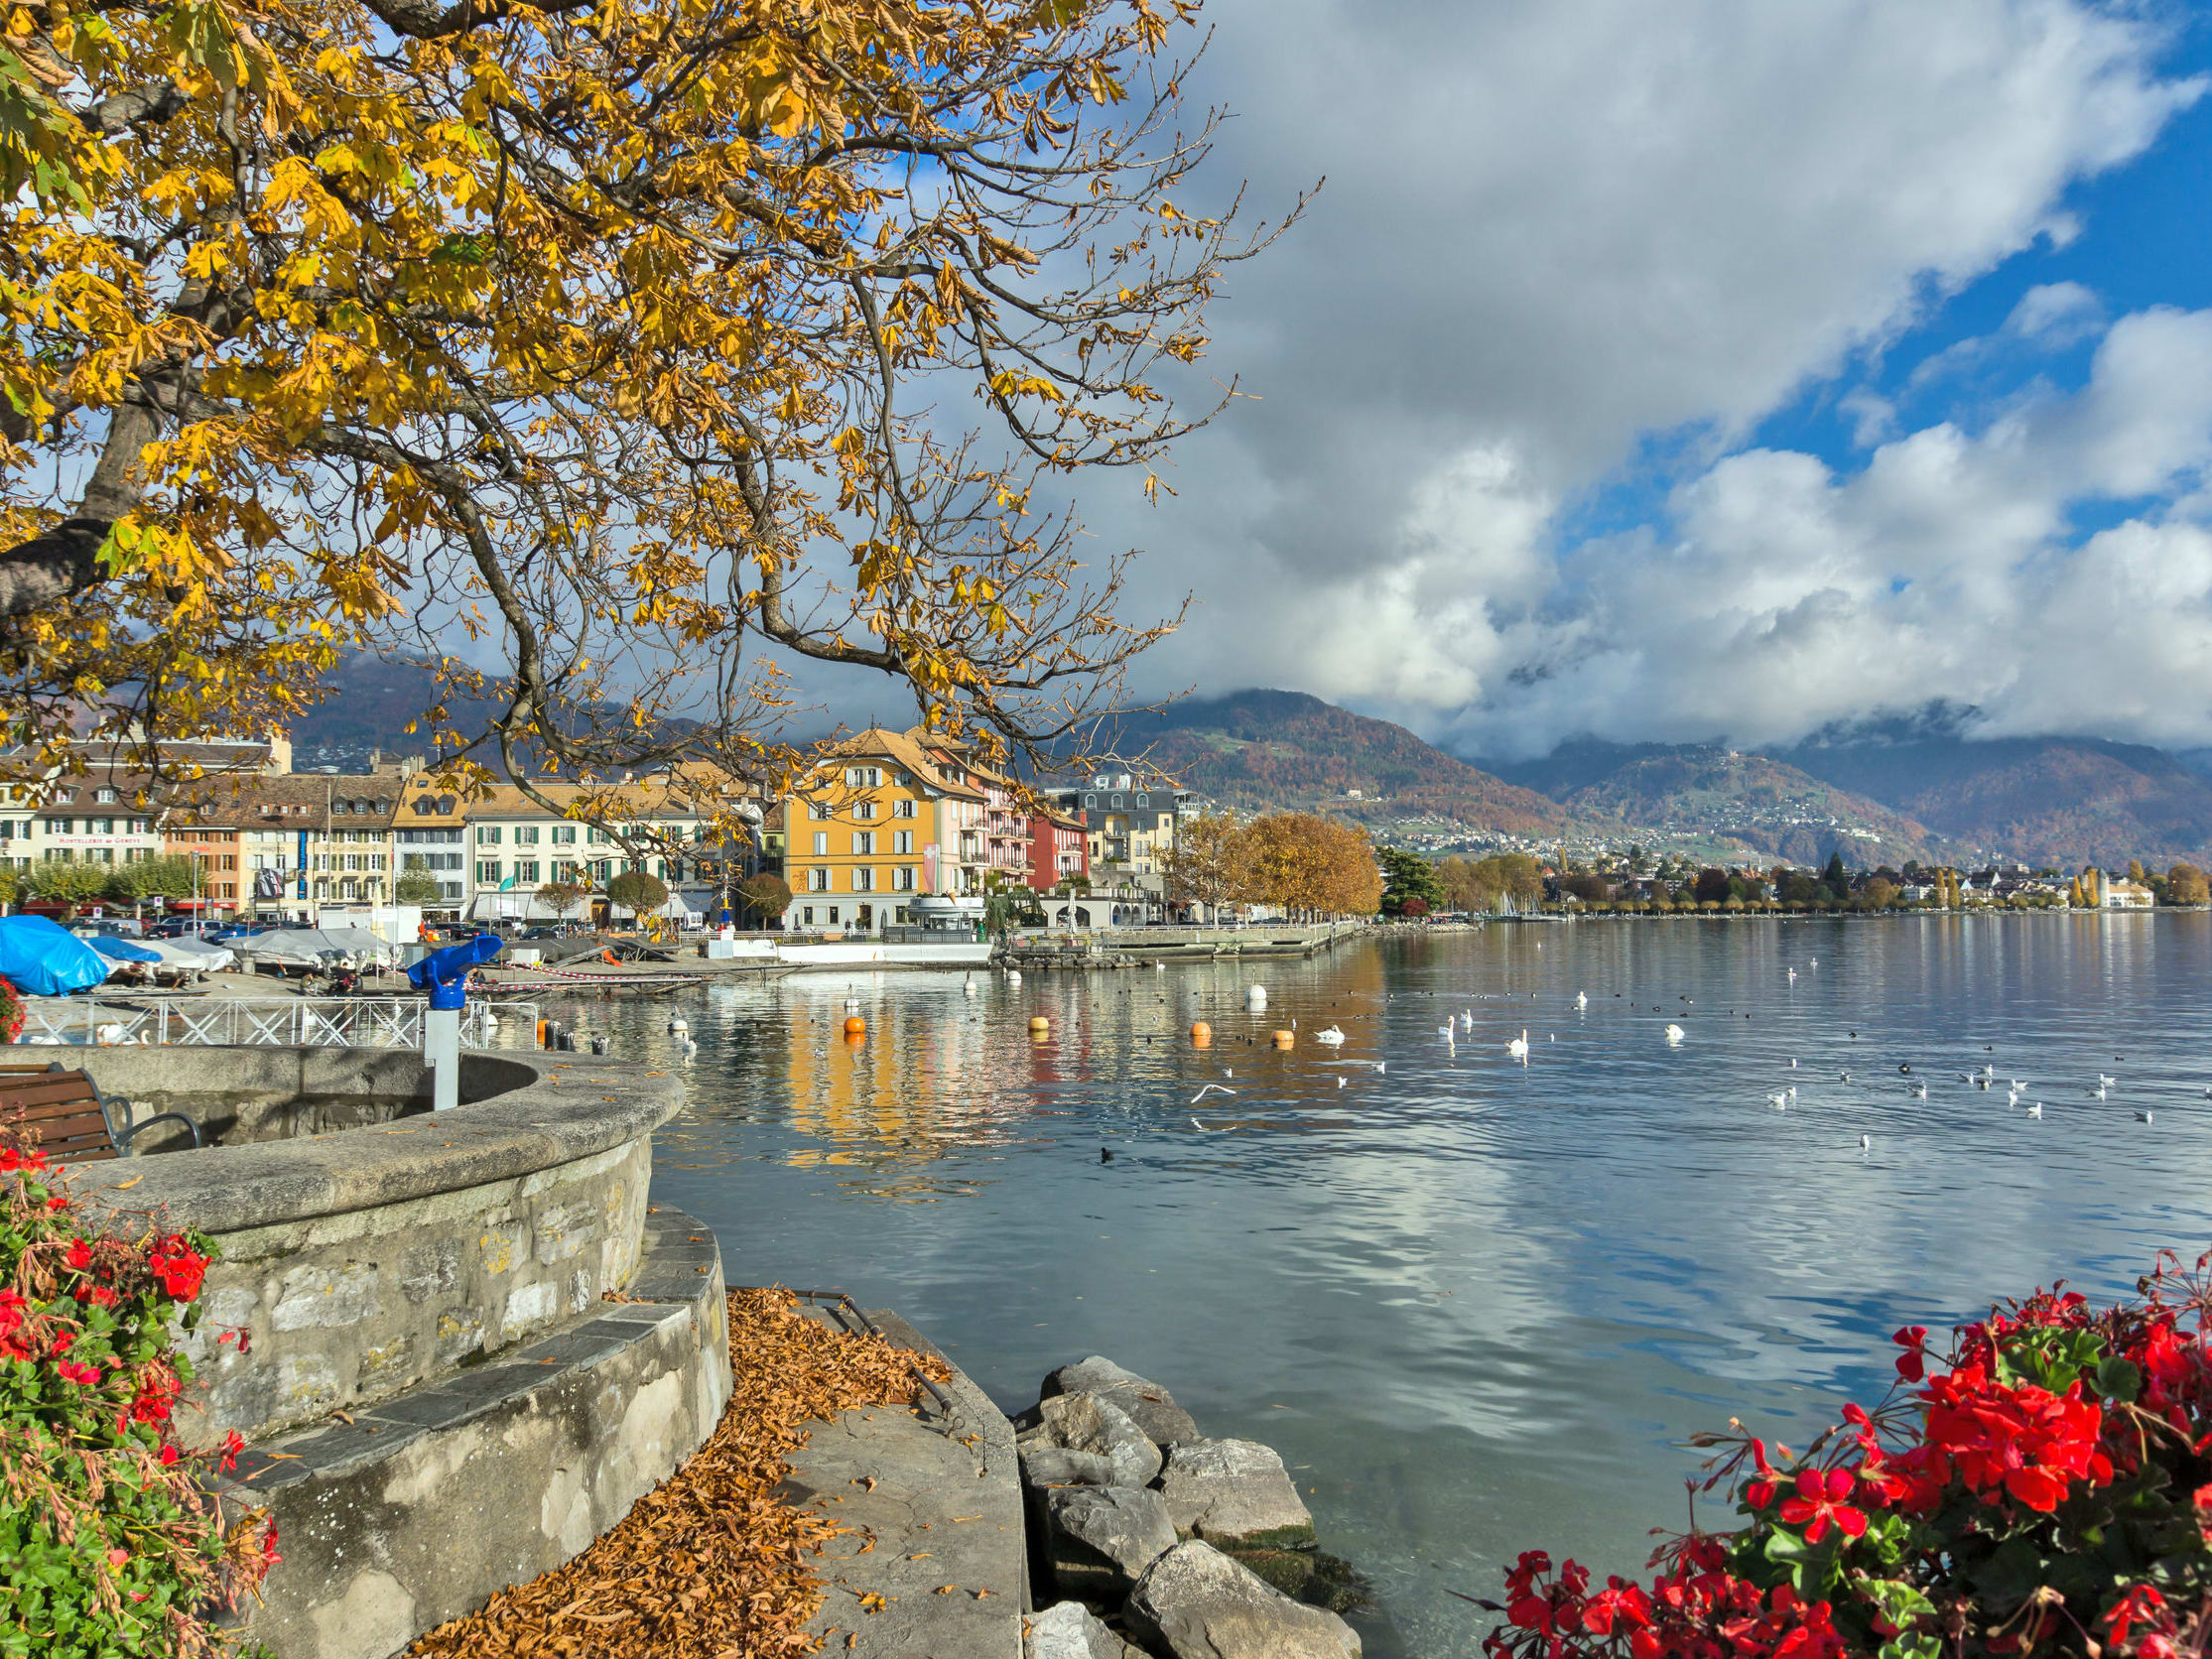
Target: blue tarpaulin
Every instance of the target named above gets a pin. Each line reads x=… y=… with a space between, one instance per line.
x=43 y=959
x=122 y=950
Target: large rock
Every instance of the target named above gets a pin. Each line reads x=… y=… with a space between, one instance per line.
x=1193 y=1602
x=1087 y=1423
x=1072 y=1630
x=1056 y=1465
x=1099 y=1538
x=1146 y=1404
x=1234 y=1492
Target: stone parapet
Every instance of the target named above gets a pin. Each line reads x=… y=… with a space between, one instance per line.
x=365 y=1263
x=422 y=1508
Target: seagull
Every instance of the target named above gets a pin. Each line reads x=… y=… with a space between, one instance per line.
x=2037 y=1110
x=2021 y=1086
x=2143 y=1117
x=1339 y=1083
x=1920 y=1091
x=688 y=1047
x=1210 y=1089
x=1866 y=1143
x=1989 y=1071
x=1780 y=1103
x=1793 y=1062
x=1196 y=1125
x=1843 y=1076
x=2097 y=1093
x=2105 y=1081
x=1582 y=999
x=1518 y=1047
x=2011 y=1097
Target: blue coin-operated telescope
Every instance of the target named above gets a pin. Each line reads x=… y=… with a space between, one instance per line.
x=443 y=974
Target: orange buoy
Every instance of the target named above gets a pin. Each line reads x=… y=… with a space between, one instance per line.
x=1202 y=1034
x=1284 y=1039
x=1037 y=1022
x=854 y=1026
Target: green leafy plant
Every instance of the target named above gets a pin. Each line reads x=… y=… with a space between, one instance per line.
x=113 y=1542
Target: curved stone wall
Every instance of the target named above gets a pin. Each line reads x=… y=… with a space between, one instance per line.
x=363 y=1262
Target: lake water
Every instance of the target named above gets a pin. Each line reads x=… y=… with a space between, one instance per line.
x=1476 y=1305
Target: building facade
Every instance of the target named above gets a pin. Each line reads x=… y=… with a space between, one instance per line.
x=1129 y=828
x=873 y=827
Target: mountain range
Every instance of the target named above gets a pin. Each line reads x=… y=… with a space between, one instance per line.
x=1878 y=792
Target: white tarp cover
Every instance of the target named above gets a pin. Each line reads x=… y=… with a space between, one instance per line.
x=314 y=948
x=200 y=954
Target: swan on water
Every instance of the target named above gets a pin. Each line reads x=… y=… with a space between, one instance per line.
x=1518 y=1047
x=1331 y=1037
x=1675 y=1033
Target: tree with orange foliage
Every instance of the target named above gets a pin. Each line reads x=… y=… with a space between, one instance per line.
x=612 y=342
x=1303 y=863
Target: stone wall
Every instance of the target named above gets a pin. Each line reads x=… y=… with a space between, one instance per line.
x=363 y=1263
x=421 y=1509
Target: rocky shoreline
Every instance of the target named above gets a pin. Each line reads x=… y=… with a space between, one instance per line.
x=1149 y=1540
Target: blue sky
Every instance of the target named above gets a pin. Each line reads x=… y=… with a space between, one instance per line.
x=1722 y=370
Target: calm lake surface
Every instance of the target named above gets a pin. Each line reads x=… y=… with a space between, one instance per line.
x=1476 y=1305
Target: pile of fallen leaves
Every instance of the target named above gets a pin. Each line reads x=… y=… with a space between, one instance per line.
x=711 y=1565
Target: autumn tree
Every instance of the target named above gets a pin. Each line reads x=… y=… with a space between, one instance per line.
x=630 y=346
x=765 y=894
x=1303 y=862
x=2186 y=885
x=637 y=891
x=1211 y=861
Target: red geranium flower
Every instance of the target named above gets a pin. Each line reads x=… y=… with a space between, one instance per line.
x=1821 y=1502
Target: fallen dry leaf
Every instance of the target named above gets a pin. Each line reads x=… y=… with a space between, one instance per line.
x=712 y=1564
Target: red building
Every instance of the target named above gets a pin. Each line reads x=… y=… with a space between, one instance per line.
x=1059 y=850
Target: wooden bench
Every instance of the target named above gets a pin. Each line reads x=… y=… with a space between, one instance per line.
x=67 y=1118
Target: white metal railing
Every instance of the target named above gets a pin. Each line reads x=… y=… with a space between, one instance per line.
x=339 y=1022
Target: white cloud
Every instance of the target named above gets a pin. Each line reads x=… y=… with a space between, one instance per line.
x=1792 y=596
x=1553 y=231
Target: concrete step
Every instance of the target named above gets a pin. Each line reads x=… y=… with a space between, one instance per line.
x=932 y=1564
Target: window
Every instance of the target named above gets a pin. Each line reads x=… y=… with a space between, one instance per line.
x=806 y=916
x=526 y=869
x=103 y=796
x=863 y=777
x=526 y=835
x=818 y=810
x=818 y=881
x=864 y=809
x=487 y=872
x=487 y=834
x=602 y=869
x=564 y=834
x=902 y=808
x=563 y=870
x=864 y=880
x=906 y=878
x=821 y=844
x=600 y=837
x=863 y=842
x=65 y=825
x=103 y=826
x=1116 y=802
x=902 y=841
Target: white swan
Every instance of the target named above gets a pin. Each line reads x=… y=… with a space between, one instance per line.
x=1675 y=1033
x=1331 y=1037
x=1518 y=1047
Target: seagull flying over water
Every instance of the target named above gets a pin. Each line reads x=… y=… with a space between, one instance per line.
x=1210 y=1089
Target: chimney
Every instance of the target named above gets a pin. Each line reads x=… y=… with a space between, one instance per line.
x=280 y=753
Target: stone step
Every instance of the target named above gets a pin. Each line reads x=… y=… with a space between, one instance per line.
x=932 y=1564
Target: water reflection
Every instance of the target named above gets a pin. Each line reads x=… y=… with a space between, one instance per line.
x=1479 y=1303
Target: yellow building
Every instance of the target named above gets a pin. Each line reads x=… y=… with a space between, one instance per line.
x=870 y=829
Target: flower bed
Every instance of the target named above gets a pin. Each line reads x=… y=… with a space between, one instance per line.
x=2043 y=1487
x=110 y=1543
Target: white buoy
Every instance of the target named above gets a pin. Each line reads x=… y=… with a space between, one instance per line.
x=678 y=1025
x=1257 y=995
x=852 y=1005
x=1014 y=977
